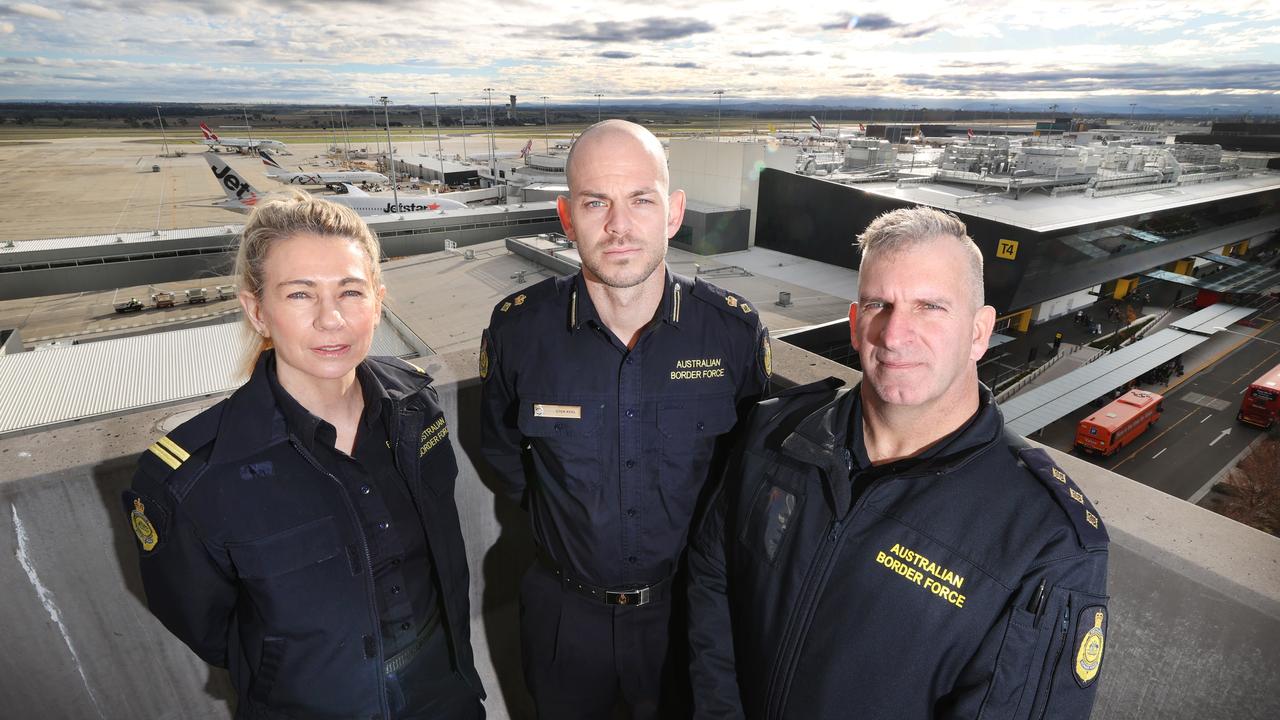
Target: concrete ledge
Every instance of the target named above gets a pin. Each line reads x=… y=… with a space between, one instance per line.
x=1195 y=597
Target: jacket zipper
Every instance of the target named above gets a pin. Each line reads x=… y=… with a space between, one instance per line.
x=1055 y=658
x=368 y=565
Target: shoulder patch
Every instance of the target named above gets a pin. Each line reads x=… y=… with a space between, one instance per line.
x=148 y=518
x=1084 y=517
x=725 y=301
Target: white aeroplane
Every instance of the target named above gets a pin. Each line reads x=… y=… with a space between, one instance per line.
x=212 y=140
x=241 y=196
x=823 y=133
x=332 y=178
x=502 y=154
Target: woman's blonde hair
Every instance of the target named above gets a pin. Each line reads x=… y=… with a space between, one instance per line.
x=282 y=218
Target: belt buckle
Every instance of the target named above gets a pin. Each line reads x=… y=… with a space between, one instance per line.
x=630 y=597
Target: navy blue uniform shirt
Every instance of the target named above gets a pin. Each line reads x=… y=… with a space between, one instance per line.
x=609 y=448
x=406 y=596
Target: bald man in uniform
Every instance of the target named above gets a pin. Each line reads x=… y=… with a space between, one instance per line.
x=606 y=394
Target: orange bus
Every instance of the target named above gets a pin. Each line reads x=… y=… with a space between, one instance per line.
x=1261 y=403
x=1117 y=424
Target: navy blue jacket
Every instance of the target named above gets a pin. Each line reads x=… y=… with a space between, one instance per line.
x=967 y=584
x=253 y=555
x=611 y=449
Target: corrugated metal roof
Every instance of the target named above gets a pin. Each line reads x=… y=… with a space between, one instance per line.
x=1036 y=408
x=87 y=241
x=77 y=382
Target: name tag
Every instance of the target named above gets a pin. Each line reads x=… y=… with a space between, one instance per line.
x=571 y=412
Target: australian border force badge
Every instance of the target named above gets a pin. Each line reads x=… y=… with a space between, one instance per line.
x=1093 y=620
x=142 y=527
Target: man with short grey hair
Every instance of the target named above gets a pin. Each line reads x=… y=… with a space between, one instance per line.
x=890 y=550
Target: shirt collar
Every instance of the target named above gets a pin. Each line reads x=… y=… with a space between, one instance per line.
x=313 y=431
x=582 y=310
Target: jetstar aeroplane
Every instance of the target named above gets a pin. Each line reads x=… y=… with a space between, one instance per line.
x=241 y=196
x=214 y=142
x=331 y=178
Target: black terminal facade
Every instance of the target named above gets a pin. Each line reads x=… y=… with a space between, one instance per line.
x=820 y=220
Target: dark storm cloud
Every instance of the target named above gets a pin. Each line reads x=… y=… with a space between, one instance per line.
x=875 y=22
x=772 y=53
x=650 y=29
x=1146 y=77
x=616 y=55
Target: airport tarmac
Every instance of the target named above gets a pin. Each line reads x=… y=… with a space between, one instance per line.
x=104 y=185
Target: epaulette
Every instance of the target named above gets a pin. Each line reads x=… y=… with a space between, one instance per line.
x=1084 y=518
x=173 y=456
x=725 y=301
x=516 y=303
x=400 y=364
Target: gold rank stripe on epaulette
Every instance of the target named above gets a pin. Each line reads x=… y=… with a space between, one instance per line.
x=573 y=309
x=415 y=367
x=169 y=452
x=675 y=303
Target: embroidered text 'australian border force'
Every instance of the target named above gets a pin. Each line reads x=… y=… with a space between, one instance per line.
x=922 y=571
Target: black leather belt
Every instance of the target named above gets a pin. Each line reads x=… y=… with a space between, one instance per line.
x=401 y=660
x=624 y=596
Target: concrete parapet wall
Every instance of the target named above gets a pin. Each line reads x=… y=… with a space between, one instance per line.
x=1195 y=597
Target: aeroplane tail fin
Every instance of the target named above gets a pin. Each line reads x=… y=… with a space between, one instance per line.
x=268 y=160
x=240 y=194
x=813 y=122
x=208 y=134
x=528 y=146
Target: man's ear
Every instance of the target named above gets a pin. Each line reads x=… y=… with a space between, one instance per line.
x=984 y=322
x=566 y=219
x=675 y=212
x=853 y=325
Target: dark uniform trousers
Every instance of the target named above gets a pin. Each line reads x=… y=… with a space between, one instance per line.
x=580 y=654
x=428 y=688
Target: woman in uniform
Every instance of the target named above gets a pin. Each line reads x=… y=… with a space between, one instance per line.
x=302 y=532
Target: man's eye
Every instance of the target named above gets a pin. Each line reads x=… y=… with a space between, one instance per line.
x=595 y=203
x=352 y=293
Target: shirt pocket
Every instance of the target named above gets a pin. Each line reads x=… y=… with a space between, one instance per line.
x=564 y=435
x=290 y=569
x=688 y=431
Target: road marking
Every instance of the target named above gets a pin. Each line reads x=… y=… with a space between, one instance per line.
x=1145 y=445
x=1206 y=417
x=1221 y=435
x=1153 y=457
x=1255 y=367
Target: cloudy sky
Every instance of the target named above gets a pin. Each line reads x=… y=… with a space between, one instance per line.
x=979 y=52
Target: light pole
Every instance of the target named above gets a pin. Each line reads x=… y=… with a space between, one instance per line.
x=597 y=106
x=462 y=115
x=439 y=146
x=488 y=102
x=546 y=124
x=391 y=155
x=1132 y=106
x=373 y=102
x=163 y=134
x=719 y=98
x=1251 y=337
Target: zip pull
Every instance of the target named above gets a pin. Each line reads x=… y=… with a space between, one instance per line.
x=848 y=460
x=835 y=530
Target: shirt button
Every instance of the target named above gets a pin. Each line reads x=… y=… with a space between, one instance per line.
x=395 y=562
x=384 y=525
x=700 y=427
x=395 y=589
x=631 y=512
x=405 y=626
x=364 y=489
x=632 y=560
x=630 y=464
x=631 y=361
x=631 y=412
